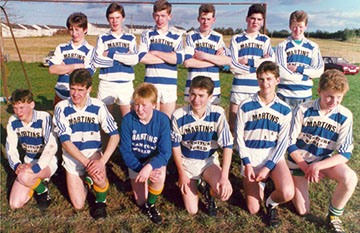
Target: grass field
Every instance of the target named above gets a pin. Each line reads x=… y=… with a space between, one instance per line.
x=124 y=216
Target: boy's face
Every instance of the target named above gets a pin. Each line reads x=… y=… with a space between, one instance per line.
x=199 y=99
x=297 y=30
x=78 y=94
x=206 y=21
x=144 y=109
x=267 y=83
x=77 y=33
x=24 y=111
x=115 y=20
x=254 y=22
x=161 y=19
x=329 y=99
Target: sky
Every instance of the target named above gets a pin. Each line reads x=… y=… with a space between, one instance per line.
x=324 y=15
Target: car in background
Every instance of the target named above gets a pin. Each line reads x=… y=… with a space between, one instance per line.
x=47 y=58
x=341 y=64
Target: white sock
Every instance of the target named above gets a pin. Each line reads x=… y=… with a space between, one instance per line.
x=269 y=201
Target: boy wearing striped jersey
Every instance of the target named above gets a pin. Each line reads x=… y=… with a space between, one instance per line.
x=146 y=148
x=198 y=131
x=262 y=129
x=161 y=50
x=205 y=52
x=78 y=121
x=248 y=50
x=72 y=55
x=299 y=61
x=32 y=130
x=115 y=55
x=321 y=143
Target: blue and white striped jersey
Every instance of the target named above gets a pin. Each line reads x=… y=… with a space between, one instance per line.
x=171 y=41
x=36 y=139
x=262 y=131
x=318 y=135
x=141 y=144
x=200 y=138
x=257 y=50
x=82 y=126
x=68 y=53
x=208 y=44
x=122 y=55
x=306 y=56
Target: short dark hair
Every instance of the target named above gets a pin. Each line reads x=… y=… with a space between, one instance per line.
x=202 y=82
x=78 y=19
x=268 y=67
x=161 y=5
x=206 y=8
x=113 y=7
x=257 y=9
x=81 y=76
x=21 y=96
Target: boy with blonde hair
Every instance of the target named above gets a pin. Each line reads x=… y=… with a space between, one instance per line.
x=321 y=144
x=146 y=148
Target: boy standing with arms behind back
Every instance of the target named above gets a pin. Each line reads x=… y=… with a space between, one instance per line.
x=299 y=61
x=161 y=49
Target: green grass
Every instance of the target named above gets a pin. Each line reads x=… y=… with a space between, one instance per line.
x=124 y=216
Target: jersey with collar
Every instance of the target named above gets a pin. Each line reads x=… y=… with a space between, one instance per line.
x=171 y=41
x=122 y=55
x=318 y=135
x=306 y=56
x=82 y=126
x=200 y=138
x=263 y=130
x=35 y=138
x=68 y=53
x=208 y=44
x=141 y=144
x=253 y=48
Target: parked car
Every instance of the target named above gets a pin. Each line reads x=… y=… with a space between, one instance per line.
x=341 y=64
x=47 y=58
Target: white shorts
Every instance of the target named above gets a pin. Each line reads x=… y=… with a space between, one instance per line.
x=166 y=93
x=118 y=93
x=194 y=168
x=133 y=174
x=52 y=164
x=257 y=166
x=74 y=166
x=237 y=97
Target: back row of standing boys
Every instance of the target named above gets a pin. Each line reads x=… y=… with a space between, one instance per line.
x=263 y=117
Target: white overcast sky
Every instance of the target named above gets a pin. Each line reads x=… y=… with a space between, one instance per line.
x=324 y=15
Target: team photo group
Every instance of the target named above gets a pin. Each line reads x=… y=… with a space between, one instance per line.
x=273 y=125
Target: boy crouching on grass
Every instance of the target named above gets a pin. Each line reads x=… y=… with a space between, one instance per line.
x=146 y=148
x=199 y=130
x=262 y=129
x=32 y=130
x=78 y=121
x=321 y=143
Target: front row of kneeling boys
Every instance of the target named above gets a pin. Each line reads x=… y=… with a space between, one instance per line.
x=316 y=136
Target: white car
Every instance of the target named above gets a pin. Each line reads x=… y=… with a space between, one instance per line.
x=47 y=58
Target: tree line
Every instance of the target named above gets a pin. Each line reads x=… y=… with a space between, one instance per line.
x=341 y=35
